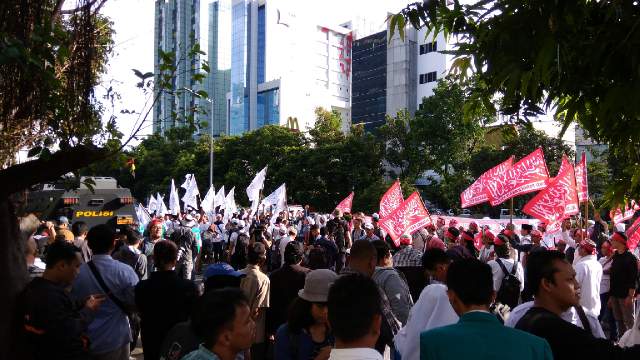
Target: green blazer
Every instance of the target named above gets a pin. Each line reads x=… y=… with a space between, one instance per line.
x=478 y=336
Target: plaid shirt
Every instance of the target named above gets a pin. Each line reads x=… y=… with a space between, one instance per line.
x=407 y=256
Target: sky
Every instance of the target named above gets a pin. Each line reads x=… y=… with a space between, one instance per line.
x=133 y=25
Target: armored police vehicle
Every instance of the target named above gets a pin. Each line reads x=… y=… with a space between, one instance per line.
x=104 y=203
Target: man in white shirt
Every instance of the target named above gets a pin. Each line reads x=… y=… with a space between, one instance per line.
x=355 y=316
x=589 y=275
x=432 y=309
x=502 y=248
x=284 y=241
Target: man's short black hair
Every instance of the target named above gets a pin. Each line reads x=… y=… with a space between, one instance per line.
x=214 y=311
x=471 y=280
x=164 y=252
x=132 y=236
x=60 y=251
x=382 y=249
x=434 y=257
x=541 y=265
x=256 y=253
x=293 y=253
x=363 y=250
x=79 y=227
x=353 y=301
x=100 y=239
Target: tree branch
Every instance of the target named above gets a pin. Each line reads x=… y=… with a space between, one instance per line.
x=21 y=176
x=83 y=7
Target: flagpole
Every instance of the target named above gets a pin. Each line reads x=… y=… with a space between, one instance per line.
x=511 y=212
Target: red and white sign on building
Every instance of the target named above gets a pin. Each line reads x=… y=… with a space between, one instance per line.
x=581 y=180
x=558 y=201
x=476 y=194
x=410 y=216
x=391 y=199
x=527 y=175
x=345 y=205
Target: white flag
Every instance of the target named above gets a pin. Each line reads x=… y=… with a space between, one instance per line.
x=278 y=199
x=187 y=181
x=174 y=199
x=219 y=198
x=153 y=205
x=143 y=215
x=230 y=204
x=190 y=197
x=253 y=190
x=207 y=202
x=160 y=206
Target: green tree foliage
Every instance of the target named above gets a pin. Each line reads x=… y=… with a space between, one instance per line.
x=571 y=56
x=319 y=171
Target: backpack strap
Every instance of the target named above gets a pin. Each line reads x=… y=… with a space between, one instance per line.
x=583 y=319
x=504 y=268
x=105 y=288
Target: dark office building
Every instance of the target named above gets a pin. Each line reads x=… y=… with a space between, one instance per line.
x=369 y=81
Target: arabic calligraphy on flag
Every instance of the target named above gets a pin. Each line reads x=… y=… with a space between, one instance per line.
x=410 y=216
x=391 y=199
x=557 y=201
x=476 y=194
x=527 y=175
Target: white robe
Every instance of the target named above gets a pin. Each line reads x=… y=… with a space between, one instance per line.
x=432 y=310
x=570 y=316
x=498 y=274
x=589 y=276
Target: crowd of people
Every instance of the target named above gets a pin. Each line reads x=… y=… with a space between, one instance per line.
x=316 y=286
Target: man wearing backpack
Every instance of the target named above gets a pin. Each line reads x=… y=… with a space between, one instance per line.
x=508 y=275
x=185 y=240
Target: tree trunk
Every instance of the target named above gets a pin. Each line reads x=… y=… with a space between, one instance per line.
x=14 y=277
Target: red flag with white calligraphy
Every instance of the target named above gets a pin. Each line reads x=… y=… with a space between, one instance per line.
x=581 y=179
x=628 y=212
x=476 y=194
x=527 y=175
x=391 y=199
x=345 y=205
x=556 y=202
x=616 y=216
x=564 y=164
x=410 y=216
x=633 y=235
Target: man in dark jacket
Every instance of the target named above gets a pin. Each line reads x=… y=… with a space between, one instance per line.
x=553 y=282
x=55 y=327
x=163 y=300
x=285 y=284
x=623 y=274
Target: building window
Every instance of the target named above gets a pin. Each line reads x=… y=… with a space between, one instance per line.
x=428 y=77
x=429 y=47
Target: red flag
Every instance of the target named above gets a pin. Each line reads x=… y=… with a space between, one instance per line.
x=628 y=212
x=406 y=218
x=476 y=194
x=633 y=235
x=391 y=199
x=634 y=205
x=558 y=201
x=581 y=179
x=616 y=216
x=564 y=164
x=527 y=175
x=345 y=205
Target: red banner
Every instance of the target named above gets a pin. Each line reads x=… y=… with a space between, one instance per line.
x=558 y=201
x=345 y=205
x=633 y=235
x=628 y=212
x=564 y=164
x=476 y=194
x=410 y=216
x=527 y=175
x=391 y=199
x=581 y=179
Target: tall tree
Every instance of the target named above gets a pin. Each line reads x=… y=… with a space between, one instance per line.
x=571 y=57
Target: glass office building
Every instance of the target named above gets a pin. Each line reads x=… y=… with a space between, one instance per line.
x=369 y=84
x=176 y=30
